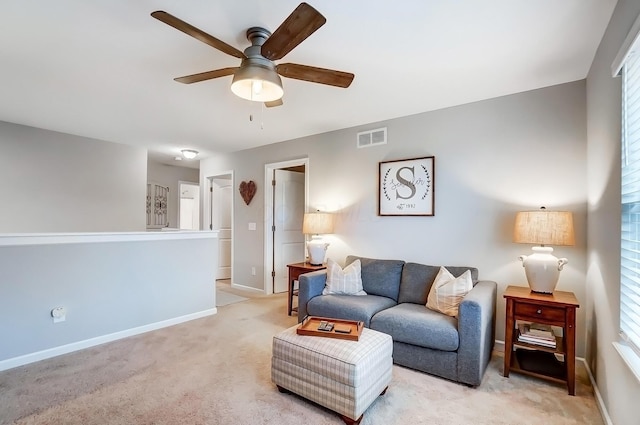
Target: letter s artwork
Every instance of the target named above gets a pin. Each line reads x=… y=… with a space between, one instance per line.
x=406 y=187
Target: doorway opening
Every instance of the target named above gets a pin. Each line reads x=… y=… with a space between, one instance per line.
x=189 y=206
x=219 y=216
x=286 y=193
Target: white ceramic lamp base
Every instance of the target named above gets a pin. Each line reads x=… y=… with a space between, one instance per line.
x=542 y=269
x=317 y=250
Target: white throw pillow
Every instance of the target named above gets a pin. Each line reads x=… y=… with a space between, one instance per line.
x=347 y=281
x=447 y=291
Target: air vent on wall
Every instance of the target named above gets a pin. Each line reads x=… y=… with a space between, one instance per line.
x=366 y=139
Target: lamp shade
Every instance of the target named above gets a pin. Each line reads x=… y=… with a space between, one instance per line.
x=317 y=223
x=257 y=83
x=544 y=227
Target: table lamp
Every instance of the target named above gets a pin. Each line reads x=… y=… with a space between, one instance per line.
x=543 y=227
x=316 y=224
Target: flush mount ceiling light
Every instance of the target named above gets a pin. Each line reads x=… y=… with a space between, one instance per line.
x=189 y=153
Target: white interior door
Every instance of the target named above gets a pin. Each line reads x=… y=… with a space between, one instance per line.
x=288 y=211
x=221 y=221
x=189 y=208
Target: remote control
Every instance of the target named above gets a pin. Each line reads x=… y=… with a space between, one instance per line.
x=325 y=326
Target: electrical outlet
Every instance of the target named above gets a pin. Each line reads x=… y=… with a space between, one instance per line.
x=253 y=271
x=59 y=314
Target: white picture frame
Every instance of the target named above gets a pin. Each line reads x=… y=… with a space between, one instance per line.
x=406 y=187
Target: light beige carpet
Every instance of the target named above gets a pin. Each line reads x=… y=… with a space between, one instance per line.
x=216 y=370
x=226 y=298
x=226 y=294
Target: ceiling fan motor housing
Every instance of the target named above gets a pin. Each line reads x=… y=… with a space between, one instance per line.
x=257 y=78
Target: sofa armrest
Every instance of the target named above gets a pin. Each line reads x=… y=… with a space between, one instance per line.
x=309 y=285
x=476 y=329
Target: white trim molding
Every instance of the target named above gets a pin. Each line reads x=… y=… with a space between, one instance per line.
x=629 y=43
x=629 y=356
x=19 y=239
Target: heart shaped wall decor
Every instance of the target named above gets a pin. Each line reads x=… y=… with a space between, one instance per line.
x=247 y=191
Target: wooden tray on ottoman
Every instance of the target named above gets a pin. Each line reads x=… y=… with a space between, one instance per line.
x=309 y=326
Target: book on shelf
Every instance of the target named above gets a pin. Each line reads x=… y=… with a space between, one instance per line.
x=533 y=333
x=541 y=330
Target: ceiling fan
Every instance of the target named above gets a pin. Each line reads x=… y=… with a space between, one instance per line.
x=258 y=77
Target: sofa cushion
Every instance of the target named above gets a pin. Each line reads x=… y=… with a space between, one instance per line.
x=380 y=277
x=345 y=281
x=417 y=325
x=348 y=306
x=448 y=291
x=417 y=280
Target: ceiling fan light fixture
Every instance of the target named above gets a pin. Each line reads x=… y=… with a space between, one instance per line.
x=257 y=84
x=189 y=153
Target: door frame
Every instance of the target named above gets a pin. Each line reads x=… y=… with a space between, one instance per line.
x=268 y=212
x=206 y=217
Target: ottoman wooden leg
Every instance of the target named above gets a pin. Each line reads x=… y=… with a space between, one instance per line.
x=350 y=421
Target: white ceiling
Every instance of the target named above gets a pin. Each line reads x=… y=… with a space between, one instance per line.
x=105 y=69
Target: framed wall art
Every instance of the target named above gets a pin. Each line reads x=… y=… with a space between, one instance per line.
x=406 y=187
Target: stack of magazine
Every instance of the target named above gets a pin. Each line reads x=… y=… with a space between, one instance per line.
x=538 y=334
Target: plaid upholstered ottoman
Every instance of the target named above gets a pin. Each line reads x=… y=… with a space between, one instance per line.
x=343 y=376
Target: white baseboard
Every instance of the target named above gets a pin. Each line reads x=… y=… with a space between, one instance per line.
x=499 y=348
x=600 y=402
x=248 y=288
x=75 y=346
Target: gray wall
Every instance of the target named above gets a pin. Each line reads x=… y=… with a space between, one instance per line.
x=106 y=287
x=170 y=175
x=618 y=387
x=55 y=182
x=492 y=158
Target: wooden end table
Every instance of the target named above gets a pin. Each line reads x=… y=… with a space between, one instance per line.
x=295 y=270
x=557 y=309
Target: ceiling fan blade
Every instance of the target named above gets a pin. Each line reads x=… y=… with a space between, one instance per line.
x=203 y=76
x=197 y=33
x=273 y=103
x=302 y=22
x=315 y=75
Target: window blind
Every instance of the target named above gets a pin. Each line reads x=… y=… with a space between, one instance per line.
x=630 y=198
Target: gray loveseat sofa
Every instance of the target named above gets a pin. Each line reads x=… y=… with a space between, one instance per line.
x=458 y=349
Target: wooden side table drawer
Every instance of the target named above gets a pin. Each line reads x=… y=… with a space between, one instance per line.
x=535 y=312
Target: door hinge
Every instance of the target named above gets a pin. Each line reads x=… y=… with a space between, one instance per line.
x=211 y=227
x=273 y=274
x=211 y=189
x=273 y=182
x=273 y=228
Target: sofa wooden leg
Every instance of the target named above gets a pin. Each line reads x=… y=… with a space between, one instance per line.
x=350 y=421
x=384 y=391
